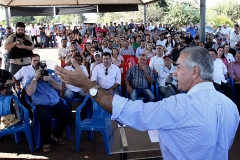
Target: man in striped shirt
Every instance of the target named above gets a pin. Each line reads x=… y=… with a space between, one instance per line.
x=198 y=125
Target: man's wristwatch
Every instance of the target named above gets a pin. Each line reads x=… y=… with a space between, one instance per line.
x=35 y=79
x=93 y=91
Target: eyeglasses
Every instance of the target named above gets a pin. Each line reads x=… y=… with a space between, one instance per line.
x=106 y=71
x=72 y=50
x=79 y=60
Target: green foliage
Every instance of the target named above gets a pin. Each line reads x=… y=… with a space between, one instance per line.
x=230 y=8
x=43 y=19
x=24 y=19
x=72 y=19
x=182 y=13
x=154 y=14
x=219 y=20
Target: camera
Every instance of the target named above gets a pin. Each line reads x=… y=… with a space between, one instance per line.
x=43 y=65
x=5 y=85
x=27 y=42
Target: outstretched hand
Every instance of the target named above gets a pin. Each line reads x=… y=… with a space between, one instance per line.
x=75 y=78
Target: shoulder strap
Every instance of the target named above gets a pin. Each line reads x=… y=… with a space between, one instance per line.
x=14 y=39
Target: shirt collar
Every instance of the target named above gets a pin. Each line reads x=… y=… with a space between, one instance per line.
x=201 y=86
x=105 y=67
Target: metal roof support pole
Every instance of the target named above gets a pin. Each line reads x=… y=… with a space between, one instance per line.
x=144 y=14
x=7 y=16
x=202 y=19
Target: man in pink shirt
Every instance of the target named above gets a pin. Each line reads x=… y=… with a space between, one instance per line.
x=234 y=73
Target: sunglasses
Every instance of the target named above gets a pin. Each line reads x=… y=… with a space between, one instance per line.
x=72 y=50
x=106 y=71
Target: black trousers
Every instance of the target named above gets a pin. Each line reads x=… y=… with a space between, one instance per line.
x=237 y=87
x=226 y=87
x=45 y=115
x=35 y=38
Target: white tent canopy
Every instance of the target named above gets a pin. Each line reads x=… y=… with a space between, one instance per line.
x=9 y=3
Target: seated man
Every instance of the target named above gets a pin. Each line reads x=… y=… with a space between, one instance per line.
x=219 y=75
x=43 y=90
x=166 y=70
x=71 y=92
x=107 y=75
x=25 y=72
x=138 y=80
x=234 y=73
x=126 y=49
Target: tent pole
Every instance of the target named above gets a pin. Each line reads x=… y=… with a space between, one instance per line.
x=144 y=14
x=202 y=19
x=7 y=16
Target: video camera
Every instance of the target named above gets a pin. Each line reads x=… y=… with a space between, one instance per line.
x=43 y=65
x=5 y=85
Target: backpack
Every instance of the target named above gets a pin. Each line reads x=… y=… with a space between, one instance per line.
x=15 y=52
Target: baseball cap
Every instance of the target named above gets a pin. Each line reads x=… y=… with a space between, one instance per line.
x=167 y=56
x=97 y=52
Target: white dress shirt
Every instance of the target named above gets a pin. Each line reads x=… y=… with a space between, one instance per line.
x=62 y=52
x=24 y=74
x=33 y=31
x=161 y=42
x=163 y=72
x=225 y=30
x=204 y=120
x=71 y=87
x=103 y=80
x=139 y=51
x=230 y=57
x=234 y=38
x=220 y=70
x=156 y=62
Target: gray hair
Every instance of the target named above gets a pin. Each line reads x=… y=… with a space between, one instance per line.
x=198 y=56
x=238 y=52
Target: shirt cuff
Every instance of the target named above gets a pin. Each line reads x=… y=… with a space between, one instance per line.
x=118 y=103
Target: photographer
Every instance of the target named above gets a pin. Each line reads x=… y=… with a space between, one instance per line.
x=5 y=78
x=19 y=48
x=43 y=90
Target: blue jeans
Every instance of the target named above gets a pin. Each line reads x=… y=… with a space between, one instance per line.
x=49 y=39
x=42 y=41
x=146 y=93
x=54 y=40
x=69 y=96
x=45 y=115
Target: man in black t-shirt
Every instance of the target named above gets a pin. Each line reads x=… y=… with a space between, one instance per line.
x=5 y=77
x=188 y=39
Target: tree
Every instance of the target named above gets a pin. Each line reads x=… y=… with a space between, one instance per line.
x=230 y=8
x=24 y=19
x=182 y=13
x=43 y=19
x=72 y=19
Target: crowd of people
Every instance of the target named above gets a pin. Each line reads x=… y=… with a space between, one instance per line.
x=103 y=53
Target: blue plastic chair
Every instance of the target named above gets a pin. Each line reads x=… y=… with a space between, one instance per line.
x=23 y=125
x=141 y=98
x=36 y=124
x=95 y=123
x=158 y=96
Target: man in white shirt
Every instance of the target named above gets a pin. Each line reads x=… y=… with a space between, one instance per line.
x=48 y=33
x=62 y=52
x=228 y=55
x=71 y=92
x=219 y=75
x=25 y=72
x=225 y=29
x=126 y=50
x=167 y=69
x=107 y=75
x=161 y=41
x=234 y=36
x=109 y=47
x=157 y=61
x=33 y=33
x=141 y=48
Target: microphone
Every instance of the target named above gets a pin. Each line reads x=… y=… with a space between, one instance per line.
x=168 y=83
